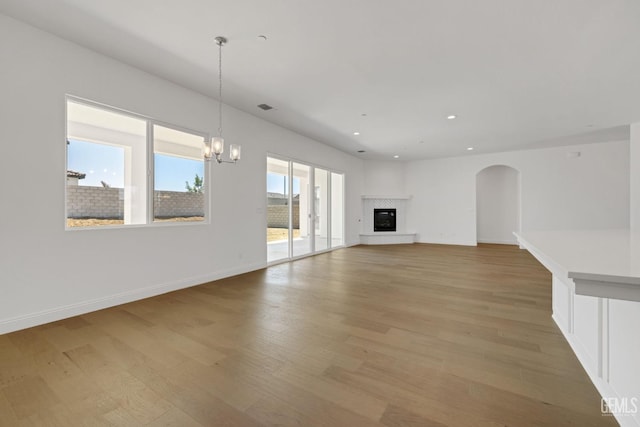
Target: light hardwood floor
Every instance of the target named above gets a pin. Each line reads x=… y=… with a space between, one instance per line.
x=401 y=335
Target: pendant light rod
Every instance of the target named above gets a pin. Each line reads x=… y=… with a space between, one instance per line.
x=220 y=41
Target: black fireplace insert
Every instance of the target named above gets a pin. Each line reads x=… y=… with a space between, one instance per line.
x=384 y=220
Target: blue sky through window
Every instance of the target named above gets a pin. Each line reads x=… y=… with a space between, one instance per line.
x=101 y=162
x=172 y=173
x=278 y=183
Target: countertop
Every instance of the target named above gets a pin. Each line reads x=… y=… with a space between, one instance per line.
x=596 y=260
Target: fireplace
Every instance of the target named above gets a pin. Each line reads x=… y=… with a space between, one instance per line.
x=384 y=220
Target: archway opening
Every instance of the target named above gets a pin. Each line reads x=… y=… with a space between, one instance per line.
x=497 y=205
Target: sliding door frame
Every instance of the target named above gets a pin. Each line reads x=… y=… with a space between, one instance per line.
x=312 y=209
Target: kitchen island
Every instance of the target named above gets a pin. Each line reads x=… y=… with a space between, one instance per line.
x=596 y=305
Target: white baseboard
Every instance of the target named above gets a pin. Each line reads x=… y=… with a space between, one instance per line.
x=59 y=313
x=443 y=241
x=498 y=242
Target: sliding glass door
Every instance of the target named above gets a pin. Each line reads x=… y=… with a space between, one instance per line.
x=321 y=209
x=305 y=209
x=337 y=209
x=301 y=209
x=277 y=209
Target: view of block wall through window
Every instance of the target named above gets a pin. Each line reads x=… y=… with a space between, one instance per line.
x=108 y=163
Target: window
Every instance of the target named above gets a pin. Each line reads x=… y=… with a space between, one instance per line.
x=124 y=169
x=178 y=175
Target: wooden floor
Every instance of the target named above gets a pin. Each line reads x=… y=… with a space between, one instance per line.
x=402 y=335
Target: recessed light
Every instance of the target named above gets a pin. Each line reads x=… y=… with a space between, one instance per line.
x=396 y=157
x=361 y=151
x=356 y=133
x=364 y=114
x=451 y=116
x=469 y=148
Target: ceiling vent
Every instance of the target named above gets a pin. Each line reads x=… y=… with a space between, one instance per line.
x=265 y=107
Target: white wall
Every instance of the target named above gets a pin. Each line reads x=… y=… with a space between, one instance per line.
x=497 y=204
x=48 y=273
x=634 y=155
x=557 y=192
x=383 y=178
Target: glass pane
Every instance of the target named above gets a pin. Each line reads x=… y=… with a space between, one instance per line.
x=179 y=191
x=321 y=208
x=337 y=209
x=106 y=167
x=277 y=209
x=301 y=207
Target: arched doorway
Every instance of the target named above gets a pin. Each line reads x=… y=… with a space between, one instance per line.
x=497 y=205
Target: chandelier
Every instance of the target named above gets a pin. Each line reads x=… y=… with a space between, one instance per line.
x=214 y=147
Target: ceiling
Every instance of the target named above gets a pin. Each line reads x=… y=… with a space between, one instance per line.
x=517 y=74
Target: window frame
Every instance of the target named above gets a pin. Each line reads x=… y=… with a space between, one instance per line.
x=150 y=167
